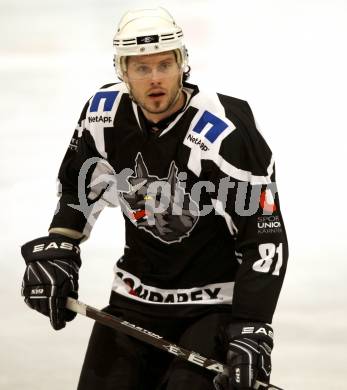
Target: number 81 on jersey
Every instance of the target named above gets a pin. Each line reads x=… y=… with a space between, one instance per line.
x=268 y=253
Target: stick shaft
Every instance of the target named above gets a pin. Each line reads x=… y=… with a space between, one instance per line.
x=151 y=338
x=143 y=335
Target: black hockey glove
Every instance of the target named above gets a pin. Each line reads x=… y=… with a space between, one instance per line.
x=51 y=276
x=249 y=346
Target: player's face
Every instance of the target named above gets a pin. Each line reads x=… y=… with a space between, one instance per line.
x=155 y=83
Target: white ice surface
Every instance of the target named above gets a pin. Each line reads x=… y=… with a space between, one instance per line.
x=287 y=58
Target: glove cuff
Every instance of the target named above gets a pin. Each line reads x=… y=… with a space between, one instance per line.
x=257 y=331
x=54 y=246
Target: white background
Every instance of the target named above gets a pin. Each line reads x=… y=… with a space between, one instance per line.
x=287 y=58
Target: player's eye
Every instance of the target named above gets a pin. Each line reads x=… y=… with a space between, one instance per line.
x=165 y=66
x=142 y=70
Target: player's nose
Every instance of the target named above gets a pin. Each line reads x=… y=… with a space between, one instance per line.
x=156 y=76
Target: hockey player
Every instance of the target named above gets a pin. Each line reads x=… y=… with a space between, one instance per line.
x=205 y=248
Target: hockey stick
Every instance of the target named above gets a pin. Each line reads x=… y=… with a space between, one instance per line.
x=153 y=339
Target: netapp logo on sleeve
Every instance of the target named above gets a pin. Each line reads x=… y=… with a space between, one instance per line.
x=131 y=286
x=99 y=118
x=197 y=141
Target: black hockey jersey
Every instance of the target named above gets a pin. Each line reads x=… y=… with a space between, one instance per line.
x=202 y=215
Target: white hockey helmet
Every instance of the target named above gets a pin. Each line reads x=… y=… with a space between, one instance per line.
x=147 y=31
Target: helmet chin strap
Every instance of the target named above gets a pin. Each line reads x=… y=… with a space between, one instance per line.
x=179 y=91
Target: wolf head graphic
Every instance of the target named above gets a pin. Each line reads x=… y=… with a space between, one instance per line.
x=171 y=223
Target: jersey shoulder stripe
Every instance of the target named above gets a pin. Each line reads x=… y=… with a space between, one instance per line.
x=207 y=130
x=223 y=131
x=101 y=112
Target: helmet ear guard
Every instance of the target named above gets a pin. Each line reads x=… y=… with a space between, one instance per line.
x=148 y=31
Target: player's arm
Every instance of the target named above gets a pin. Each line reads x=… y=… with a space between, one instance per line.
x=260 y=240
x=53 y=261
x=252 y=212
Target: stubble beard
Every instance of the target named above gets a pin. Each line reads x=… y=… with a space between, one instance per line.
x=154 y=107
